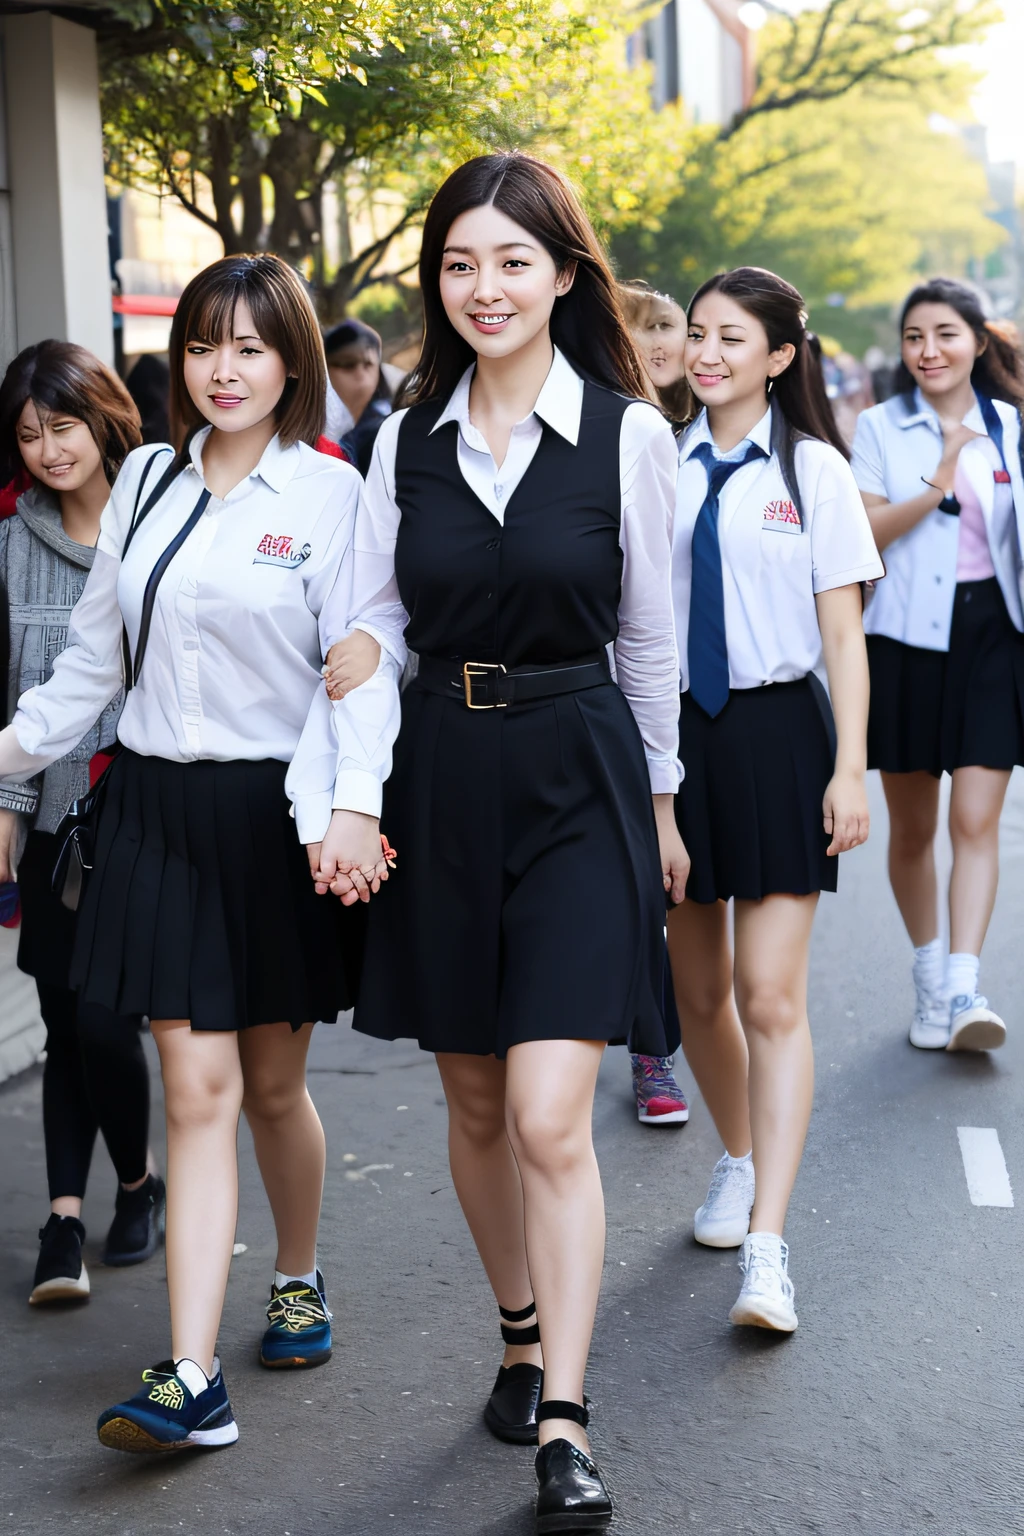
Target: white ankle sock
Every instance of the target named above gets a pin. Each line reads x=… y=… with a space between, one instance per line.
x=929 y=968
x=962 y=975
x=738 y=1160
x=282 y=1280
x=193 y=1375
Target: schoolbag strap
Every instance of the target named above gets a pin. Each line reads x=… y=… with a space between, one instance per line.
x=993 y=425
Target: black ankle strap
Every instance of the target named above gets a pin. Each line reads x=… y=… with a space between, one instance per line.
x=555 y=1408
x=521 y=1335
x=520 y=1316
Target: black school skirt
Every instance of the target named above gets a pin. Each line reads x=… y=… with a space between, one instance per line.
x=200 y=905
x=935 y=711
x=528 y=901
x=750 y=807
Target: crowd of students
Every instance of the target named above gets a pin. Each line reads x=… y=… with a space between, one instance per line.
x=619 y=554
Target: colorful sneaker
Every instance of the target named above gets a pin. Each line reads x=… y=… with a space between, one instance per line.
x=138 y=1223
x=659 y=1098
x=766 y=1295
x=60 y=1274
x=300 y=1326
x=973 y=1026
x=724 y=1219
x=165 y=1415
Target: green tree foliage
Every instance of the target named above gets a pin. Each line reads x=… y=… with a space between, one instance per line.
x=371 y=93
x=835 y=176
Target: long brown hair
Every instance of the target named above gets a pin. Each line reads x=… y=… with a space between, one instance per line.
x=67 y=380
x=999 y=367
x=587 y=322
x=803 y=408
x=284 y=319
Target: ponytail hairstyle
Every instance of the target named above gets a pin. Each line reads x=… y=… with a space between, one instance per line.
x=999 y=367
x=587 y=322
x=638 y=299
x=802 y=407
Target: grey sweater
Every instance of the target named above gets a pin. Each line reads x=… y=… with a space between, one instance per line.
x=44 y=572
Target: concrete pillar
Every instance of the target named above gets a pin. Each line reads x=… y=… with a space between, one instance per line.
x=57 y=196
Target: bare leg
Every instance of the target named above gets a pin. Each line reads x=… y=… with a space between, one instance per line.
x=487 y=1182
x=772 y=944
x=713 y=1040
x=974 y=810
x=287 y=1135
x=550 y=1100
x=203 y=1092
x=913 y=801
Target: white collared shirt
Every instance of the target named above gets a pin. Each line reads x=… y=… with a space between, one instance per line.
x=771 y=566
x=892 y=449
x=239 y=626
x=644 y=652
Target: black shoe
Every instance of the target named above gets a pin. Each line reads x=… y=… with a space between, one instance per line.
x=60 y=1274
x=572 y=1495
x=138 y=1223
x=511 y=1410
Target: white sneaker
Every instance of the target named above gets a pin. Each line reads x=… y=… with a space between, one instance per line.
x=973 y=1026
x=724 y=1219
x=766 y=1295
x=930 y=1029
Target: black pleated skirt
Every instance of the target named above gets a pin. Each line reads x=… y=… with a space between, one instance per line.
x=750 y=807
x=200 y=905
x=47 y=935
x=528 y=902
x=936 y=711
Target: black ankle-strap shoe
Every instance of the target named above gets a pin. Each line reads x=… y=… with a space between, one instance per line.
x=511 y=1410
x=571 y=1495
x=138 y=1223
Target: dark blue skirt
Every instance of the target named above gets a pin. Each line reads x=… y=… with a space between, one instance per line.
x=200 y=905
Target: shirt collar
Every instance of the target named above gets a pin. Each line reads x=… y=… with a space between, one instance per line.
x=275 y=468
x=559 y=404
x=923 y=412
x=700 y=432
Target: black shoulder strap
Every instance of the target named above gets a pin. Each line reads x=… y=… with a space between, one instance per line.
x=169 y=474
x=155 y=576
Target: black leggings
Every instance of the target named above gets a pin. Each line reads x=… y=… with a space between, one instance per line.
x=95 y=1078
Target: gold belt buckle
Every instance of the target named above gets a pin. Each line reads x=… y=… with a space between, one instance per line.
x=471 y=669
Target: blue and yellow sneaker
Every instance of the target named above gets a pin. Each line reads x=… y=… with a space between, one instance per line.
x=167 y=1415
x=300 y=1326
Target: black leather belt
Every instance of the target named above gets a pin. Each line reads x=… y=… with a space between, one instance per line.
x=489 y=685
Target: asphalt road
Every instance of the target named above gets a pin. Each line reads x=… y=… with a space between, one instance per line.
x=896 y=1408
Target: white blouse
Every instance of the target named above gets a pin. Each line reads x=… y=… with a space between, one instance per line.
x=240 y=625
x=644 y=653
x=771 y=566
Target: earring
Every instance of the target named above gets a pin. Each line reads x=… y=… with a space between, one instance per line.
x=768 y=386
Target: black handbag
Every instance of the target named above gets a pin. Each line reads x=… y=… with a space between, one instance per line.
x=76 y=834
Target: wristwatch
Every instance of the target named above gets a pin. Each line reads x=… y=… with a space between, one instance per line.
x=948 y=504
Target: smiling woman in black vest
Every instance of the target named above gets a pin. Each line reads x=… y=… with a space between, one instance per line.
x=518 y=523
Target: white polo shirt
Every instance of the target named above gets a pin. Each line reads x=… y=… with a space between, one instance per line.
x=893 y=447
x=772 y=567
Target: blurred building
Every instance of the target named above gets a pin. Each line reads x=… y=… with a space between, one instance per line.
x=702 y=53
x=1001 y=275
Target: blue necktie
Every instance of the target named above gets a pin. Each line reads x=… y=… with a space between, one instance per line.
x=706 y=652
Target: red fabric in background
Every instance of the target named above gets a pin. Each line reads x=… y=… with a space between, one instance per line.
x=10 y=493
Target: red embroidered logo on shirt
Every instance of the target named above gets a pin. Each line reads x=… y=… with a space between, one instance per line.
x=781 y=512
x=1001 y=476
x=278 y=549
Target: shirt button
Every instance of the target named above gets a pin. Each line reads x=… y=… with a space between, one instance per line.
x=935 y=623
x=493 y=543
x=191 y=645
x=499 y=491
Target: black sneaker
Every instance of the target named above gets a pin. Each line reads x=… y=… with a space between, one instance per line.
x=165 y=1416
x=60 y=1273
x=138 y=1223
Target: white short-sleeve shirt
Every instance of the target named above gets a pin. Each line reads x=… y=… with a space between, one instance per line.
x=772 y=567
x=897 y=444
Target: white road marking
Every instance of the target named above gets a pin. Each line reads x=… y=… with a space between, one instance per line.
x=985 y=1166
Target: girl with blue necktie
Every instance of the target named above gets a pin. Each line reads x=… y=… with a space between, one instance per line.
x=770 y=546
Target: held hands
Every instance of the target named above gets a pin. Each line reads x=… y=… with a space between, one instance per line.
x=675 y=861
x=350 y=662
x=352 y=861
x=846 y=816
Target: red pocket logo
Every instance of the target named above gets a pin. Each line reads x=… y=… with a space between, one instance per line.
x=781 y=512
x=1001 y=477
